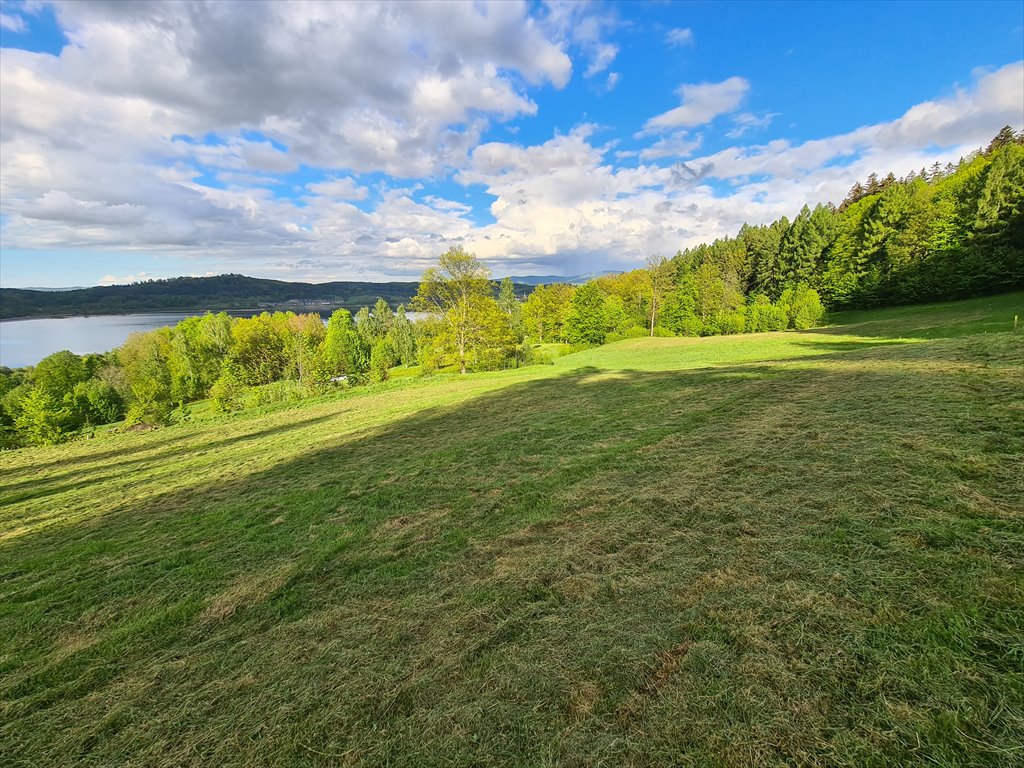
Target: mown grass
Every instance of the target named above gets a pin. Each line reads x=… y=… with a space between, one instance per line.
x=800 y=548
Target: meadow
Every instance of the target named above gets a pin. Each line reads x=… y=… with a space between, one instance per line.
x=798 y=548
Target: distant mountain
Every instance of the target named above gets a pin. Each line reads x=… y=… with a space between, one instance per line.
x=68 y=288
x=536 y=280
x=202 y=293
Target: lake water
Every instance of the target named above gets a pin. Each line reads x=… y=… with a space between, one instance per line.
x=26 y=342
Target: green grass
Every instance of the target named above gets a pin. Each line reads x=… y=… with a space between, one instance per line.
x=777 y=549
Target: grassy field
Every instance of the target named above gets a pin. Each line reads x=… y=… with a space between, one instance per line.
x=776 y=549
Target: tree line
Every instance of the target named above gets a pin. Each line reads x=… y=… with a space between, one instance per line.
x=190 y=293
x=943 y=233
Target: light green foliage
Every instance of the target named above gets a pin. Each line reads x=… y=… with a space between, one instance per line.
x=545 y=311
x=762 y=315
x=679 y=314
x=512 y=309
x=43 y=419
x=99 y=401
x=802 y=307
x=58 y=374
x=402 y=338
x=226 y=393
x=458 y=295
x=633 y=290
x=660 y=277
x=260 y=348
x=306 y=338
x=344 y=351
x=586 y=321
x=382 y=358
x=374 y=325
x=143 y=357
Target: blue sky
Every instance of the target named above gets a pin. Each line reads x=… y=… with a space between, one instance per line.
x=313 y=141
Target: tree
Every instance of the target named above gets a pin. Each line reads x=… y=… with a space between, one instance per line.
x=144 y=360
x=381 y=360
x=57 y=374
x=586 y=322
x=43 y=420
x=260 y=348
x=545 y=310
x=307 y=335
x=510 y=306
x=762 y=315
x=343 y=351
x=660 y=272
x=402 y=338
x=679 y=314
x=456 y=293
x=374 y=325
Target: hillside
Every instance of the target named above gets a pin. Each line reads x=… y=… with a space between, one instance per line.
x=762 y=549
x=190 y=293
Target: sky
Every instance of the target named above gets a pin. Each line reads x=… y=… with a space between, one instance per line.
x=359 y=141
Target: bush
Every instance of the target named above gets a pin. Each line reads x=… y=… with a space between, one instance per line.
x=276 y=392
x=733 y=322
x=532 y=355
x=803 y=307
x=762 y=315
x=631 y=332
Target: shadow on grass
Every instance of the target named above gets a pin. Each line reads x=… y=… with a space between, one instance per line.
x=401 y=543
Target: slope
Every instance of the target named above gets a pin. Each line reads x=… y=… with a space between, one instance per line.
x=799 y=548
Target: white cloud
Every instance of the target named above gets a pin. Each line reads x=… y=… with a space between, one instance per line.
x=12 y=23
x=102 y=146
x=612 y=81
x=746 y=121
x=581 y=26
x=604 y=55
x=339 y=189
x=679 y=144
x=702 y=103
x=402 y=88
x=679 y=37
x=124 y=280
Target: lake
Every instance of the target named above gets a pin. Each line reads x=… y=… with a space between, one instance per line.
x=26 y=342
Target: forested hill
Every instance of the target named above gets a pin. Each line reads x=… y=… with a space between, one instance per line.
x=189 y=293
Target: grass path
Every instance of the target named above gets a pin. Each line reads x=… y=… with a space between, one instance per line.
x=800 y=548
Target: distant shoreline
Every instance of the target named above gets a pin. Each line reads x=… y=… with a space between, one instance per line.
x=200 y=311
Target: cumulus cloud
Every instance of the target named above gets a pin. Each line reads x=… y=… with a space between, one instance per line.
x=401 y=88
x=679 y=37
x=166 y=128
x=563 y=204
x=702 y=103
